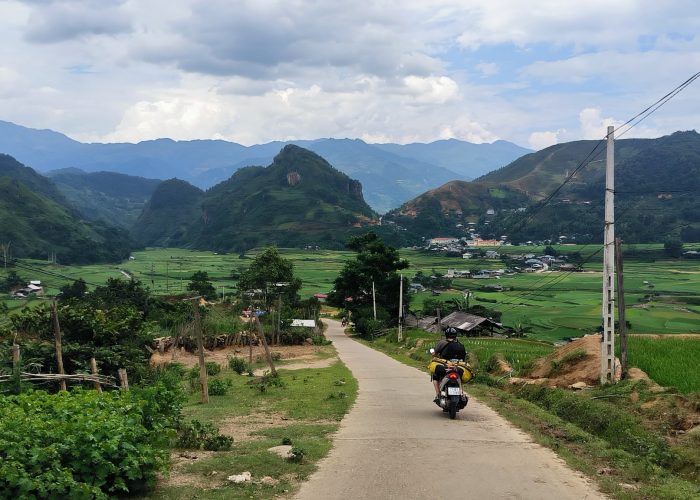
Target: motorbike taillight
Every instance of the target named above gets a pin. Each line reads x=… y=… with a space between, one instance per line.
x=452 y=376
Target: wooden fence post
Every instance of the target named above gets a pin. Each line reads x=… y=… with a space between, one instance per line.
x=15 y=357
x=203 y=379
x=93 y=369
x=123 y=379
x=267 y=350
x=59 y=353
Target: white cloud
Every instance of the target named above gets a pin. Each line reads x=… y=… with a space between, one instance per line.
x=593 y=126
x=400 y=71
x=487 y=69
x=541 y=140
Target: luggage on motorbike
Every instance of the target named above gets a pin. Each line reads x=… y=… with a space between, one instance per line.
x=467 y=373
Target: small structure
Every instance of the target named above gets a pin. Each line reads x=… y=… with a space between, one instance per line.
x=469 y=325
x=322 y=297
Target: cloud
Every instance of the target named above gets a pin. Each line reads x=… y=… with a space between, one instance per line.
x=541 y=140
x=487 y=69
x=61 y=21
x=593 y=126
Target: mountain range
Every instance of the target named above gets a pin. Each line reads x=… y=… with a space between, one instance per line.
x=389 y=173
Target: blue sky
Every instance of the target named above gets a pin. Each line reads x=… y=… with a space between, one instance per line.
x=534 y=73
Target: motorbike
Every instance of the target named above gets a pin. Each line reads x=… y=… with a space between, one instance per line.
x=452 y=397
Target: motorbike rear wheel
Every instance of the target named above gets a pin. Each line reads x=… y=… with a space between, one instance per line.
x=452 y=409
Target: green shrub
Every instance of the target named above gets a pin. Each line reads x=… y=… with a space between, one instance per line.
x=320 y=340
x=199 y=436
x=212 y=368
x=78 y=444
x=276 y=356
x=238 y=365
x=286 y=441
x=297 y=454
x=218 y=387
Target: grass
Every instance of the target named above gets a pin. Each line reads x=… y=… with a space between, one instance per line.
x=670 y=361
x=311 y=403
x=617 y=435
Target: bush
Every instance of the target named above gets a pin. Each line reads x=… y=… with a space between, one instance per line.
x=212 y=368
x=218 y=387
x=320 y=340
x=78 y=444
x=238 y=365
x=297 y=454
x=195 y=435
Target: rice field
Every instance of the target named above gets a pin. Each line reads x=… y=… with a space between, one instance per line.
x=668 y=360
x=661 y=296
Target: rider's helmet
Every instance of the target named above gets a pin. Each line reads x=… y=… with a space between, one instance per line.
x=450 y=332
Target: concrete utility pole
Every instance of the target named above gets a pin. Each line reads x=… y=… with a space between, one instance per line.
x=607 y=345
x=374 y=301
x=400 y=307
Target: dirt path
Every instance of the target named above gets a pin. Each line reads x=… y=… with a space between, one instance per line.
x=395 y=443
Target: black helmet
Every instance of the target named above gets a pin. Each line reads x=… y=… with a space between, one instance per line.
x=451 y=332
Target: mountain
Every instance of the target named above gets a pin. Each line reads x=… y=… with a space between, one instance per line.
x=110 y=196
x=452 y=209
x=36 y=220
x=174 y=207
x=391 y=174
x=465 y=158
x=299 y=199
x=656 y=186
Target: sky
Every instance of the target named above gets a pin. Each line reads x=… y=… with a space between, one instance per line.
x=531 y=72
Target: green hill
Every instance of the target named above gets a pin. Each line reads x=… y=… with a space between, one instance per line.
x=300 y=199
x=656 y=185
x=447 y=210
x=174 y=207
x=110 y=196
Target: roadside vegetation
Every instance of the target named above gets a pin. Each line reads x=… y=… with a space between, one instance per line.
x=154 y=437
x=635 y=438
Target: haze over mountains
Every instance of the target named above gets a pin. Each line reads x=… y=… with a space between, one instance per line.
x=390 y=173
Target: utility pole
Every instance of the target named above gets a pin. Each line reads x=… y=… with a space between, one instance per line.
x=607 y=345
x=167 y=282
x=400 y=307
x=621 y=307
x=203 y=378
x=374 y=301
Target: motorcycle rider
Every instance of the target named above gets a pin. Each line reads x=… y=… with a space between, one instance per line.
x=449 y=348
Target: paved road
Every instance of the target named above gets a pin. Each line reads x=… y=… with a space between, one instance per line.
x=395 y=443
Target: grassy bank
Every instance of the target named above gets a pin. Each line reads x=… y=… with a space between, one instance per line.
x=631 y=438
x=301 y=408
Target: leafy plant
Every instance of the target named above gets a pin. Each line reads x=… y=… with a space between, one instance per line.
x=200 y=436
x=296 y=454
x=218 y=387
x=238 y=365
x=78 y=444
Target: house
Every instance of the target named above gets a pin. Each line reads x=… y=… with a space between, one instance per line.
x=416 y=287
x=322 y=297
x=467 y=324
x=466 y=255
x=443 y=241
x=492 y=254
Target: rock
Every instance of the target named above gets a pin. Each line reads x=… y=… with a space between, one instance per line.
x=309 y=341
x=578 y=386
x=269 y=481
x=243 y=477
x=605 y=471
x=188 y=455
x=284 y=451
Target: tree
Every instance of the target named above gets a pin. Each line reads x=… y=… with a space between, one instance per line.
x=199 y=282
x=12 y=281
x=77 y=290
x=375 y=263
x=273 y=275
x=673 y=247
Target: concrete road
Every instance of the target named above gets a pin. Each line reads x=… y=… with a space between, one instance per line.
x=396 y=443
